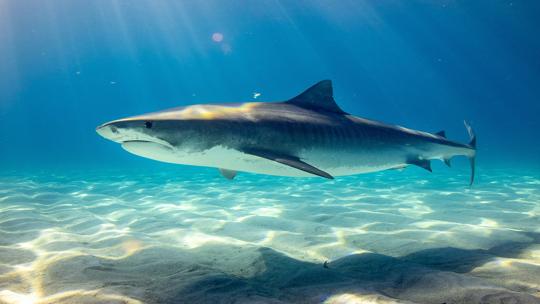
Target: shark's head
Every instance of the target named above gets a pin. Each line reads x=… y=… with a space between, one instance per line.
x=165 y=136
x=174 y=135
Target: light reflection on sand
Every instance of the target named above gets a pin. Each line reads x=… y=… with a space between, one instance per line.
x=155 y=238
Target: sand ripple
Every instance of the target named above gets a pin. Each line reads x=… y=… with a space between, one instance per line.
x=189 y=236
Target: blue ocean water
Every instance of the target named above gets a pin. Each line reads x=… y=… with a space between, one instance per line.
x=82 y=221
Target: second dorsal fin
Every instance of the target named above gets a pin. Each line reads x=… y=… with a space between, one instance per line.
x=441 y=134
x=318 y=97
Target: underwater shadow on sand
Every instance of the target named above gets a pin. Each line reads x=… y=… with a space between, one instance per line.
x=232 y=274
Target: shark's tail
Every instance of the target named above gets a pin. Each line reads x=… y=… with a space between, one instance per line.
x=472 y=144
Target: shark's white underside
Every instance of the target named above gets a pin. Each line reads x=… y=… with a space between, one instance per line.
x=220 y=157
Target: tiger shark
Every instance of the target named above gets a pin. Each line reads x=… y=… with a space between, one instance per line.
x=308 y=135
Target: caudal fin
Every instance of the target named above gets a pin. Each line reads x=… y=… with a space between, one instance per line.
x=472 y=144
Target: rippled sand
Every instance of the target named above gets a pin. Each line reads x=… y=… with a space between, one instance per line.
x=194 y=237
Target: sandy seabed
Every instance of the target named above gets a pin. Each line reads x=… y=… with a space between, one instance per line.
x=194 y=237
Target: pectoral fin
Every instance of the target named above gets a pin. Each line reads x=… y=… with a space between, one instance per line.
x=228 y=174
x=399 y=168
x=288 y=160
x=422 y=163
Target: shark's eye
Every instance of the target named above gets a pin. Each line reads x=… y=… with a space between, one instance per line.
x=148 y=124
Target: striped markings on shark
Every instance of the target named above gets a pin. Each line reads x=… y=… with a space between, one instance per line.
x=308 y=135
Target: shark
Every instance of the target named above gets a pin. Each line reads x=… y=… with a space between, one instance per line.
x=308 y=135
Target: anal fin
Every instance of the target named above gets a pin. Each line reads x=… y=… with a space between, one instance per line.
x=288 y=160
x=447 y=162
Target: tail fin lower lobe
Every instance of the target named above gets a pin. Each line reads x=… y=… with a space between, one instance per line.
x=472 y=144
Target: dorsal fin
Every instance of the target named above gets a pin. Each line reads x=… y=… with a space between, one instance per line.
x=441 y=134
x=318 y=97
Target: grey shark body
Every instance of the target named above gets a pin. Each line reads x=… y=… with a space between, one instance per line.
x=308 y=135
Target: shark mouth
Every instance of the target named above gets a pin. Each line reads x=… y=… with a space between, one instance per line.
x=142 y=139
x=146 y=144
x=150 y=149
x=134 y=141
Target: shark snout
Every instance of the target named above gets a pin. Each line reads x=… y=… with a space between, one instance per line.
x=124 y=131
x=108 y=131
